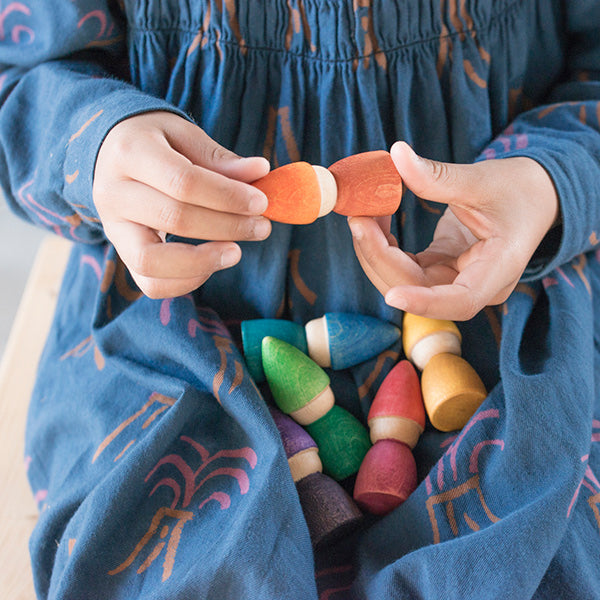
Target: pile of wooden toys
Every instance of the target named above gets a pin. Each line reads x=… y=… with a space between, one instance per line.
x=324 y=443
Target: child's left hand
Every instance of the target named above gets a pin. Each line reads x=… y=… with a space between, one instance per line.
x=498 y=213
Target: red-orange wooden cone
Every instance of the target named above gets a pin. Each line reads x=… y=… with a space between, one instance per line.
x=298 y=193
x=368 y=185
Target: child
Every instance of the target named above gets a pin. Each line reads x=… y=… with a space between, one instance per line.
x=158 y=467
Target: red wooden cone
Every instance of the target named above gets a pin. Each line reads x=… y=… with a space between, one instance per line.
x=398 y=411
x=386 y=478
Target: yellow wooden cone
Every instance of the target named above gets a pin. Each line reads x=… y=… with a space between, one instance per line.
x=452 y=391
x=423 y=338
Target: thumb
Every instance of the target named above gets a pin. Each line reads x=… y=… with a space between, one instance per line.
x=443 y=182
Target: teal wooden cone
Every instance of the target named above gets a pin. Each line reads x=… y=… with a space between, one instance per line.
x=294 y=378
x=253 y=332
x=343 y=442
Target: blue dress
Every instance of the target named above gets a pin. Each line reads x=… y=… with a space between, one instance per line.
x=157 y=467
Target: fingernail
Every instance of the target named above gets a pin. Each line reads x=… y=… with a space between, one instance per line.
x=357 y=231
x=398 y=146
x=230 y=257
x=262 y=228
x=396 y=300
x=258 y=204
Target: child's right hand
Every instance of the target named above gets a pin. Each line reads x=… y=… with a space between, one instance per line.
x=157 y=172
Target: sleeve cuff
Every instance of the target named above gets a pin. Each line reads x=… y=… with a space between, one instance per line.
x=576 y=175
x=91 y=126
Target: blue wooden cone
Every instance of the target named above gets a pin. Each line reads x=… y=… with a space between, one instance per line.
x=342 y=340
x=253 y=332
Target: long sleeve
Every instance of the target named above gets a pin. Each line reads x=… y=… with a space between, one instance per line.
x=563 y=135
x=62 y=87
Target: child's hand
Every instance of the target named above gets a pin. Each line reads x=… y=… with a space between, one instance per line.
x=156 y=172
x=498 y=213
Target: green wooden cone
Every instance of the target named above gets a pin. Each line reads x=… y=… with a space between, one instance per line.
x=293 y=377
x=343 y=442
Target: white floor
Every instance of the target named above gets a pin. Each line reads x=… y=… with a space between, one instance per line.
x=18 y=244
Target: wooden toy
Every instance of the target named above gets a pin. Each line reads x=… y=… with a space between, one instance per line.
x=423 y=338
x=388 y=473
x=387 y=476
x=299 y=386
x=329 y=511
x=301 y=450
x=397 y=412
x=343 y=442
x=368 y=184
x=253 y=332
x=298 y=193
x=342 y=340
x=452 y=391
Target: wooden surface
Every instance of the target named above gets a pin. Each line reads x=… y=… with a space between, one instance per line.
x=18 y=511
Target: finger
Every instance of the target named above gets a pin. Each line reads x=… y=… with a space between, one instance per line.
x=144 y=253
x=376 y=255
x=477 y=286
x=195 y=144
x=167 y=288
x=374 y=277
x=147 y=206
x=447 y=183
x=166 y=170
x=385 y=224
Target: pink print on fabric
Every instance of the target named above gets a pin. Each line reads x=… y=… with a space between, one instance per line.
x=99 y=24
x=188 y=484
x=507 y=142
x=19 y=33
x=447 y=509
x=47 y=217
x=99 y=16
x=589 y=481
x=521 y=141
x=86 y=259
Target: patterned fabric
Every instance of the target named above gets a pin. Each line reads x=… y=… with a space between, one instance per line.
x=157 y=467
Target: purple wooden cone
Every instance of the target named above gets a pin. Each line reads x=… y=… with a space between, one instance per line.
x=294 y=437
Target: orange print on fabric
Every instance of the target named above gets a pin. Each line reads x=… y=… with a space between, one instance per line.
x=494 y=321
x=364 y=389
x=83 y=348
x=370 y=44
x=297 y=22
x=463 y=24
x=224 y=346
x=280 y=116
x=445 y=507
x=163 y=402
x=305 y=291
x=201 y=38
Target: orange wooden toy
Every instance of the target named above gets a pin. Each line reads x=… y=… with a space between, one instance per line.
x=298 y=193
x=368 y=184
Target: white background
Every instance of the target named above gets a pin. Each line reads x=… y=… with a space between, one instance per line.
x=19 y=242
